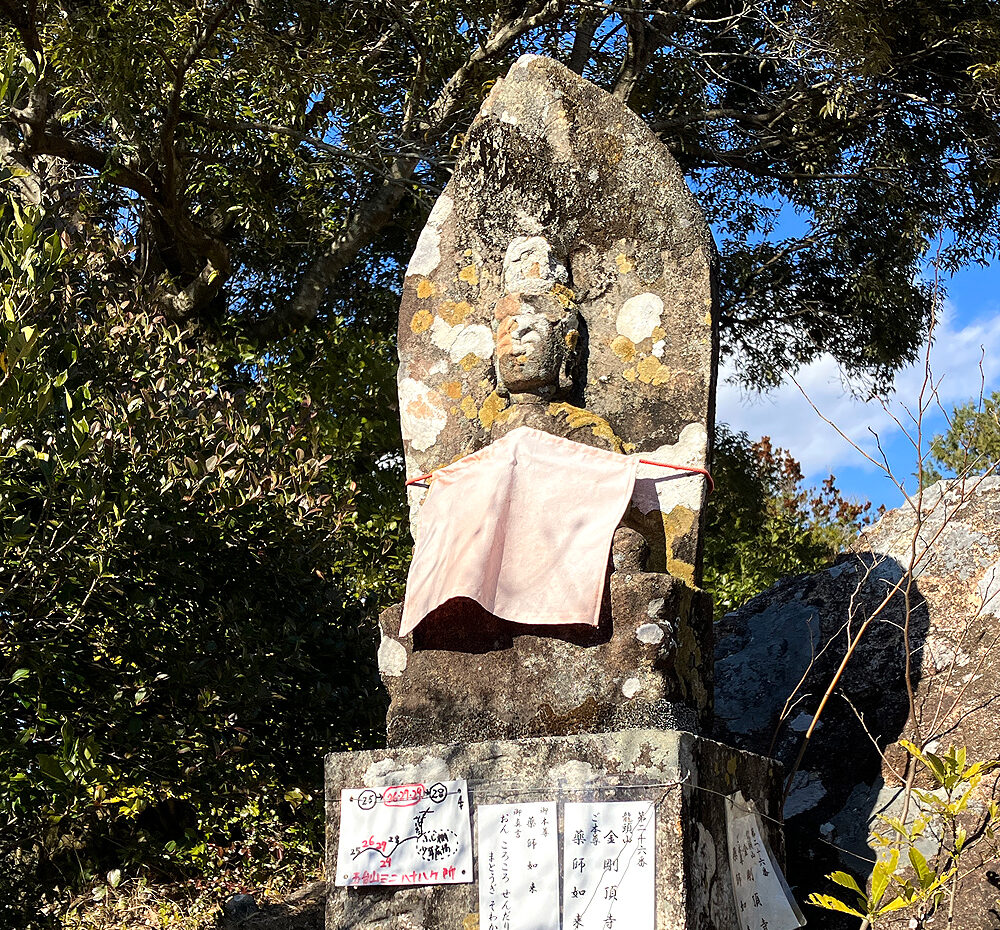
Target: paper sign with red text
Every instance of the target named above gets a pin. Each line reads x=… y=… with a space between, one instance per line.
x=405 y=835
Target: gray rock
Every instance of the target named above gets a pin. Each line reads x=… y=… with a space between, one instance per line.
x=239 y=907
x=796 y=634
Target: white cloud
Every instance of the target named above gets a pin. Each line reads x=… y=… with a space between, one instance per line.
x=786 y=416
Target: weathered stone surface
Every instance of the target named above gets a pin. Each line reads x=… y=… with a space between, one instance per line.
x=693 y=884
x=765 y=649
x=567 y=268
x=485 y=678
x=564 y=281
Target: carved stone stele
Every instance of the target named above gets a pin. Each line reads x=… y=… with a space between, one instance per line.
x=565 y=219
x=564 y=281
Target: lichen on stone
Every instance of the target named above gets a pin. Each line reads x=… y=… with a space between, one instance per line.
x=421 y=321
x=491 y=409
x=624 y=348
x=652 y=371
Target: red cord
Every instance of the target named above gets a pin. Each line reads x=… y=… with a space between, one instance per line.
x=691 y=468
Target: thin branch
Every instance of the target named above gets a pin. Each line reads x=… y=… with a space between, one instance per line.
x=169 y=129
x=371 y=216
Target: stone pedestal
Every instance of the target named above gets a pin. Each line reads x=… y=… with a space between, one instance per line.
x=464 y=674
x=693 y=885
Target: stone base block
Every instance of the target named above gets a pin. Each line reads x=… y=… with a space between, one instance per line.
x=693 y=885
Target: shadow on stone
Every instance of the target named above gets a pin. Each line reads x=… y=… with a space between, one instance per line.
x=775 y=658
x=461 y=625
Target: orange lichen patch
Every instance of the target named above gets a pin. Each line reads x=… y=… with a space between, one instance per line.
x=624 y=263
x=423 y=407
x=453 y=389
x=506 y=307
x=469 y=408
x=469 y=274
x=534 y=270
x=681 y=569
x=421 y=321
x=624 y=348
x=470 y=922
x=425 y=289
x=653 y=371
x=572 y=338
x=469 y=362
x=658 y=333
x=454 y=312
x=629 y=447
x=491 y=410
x=708 y=319
x=629 y=374
x=677 y=524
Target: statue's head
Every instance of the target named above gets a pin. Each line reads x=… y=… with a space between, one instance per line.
x=536 y=323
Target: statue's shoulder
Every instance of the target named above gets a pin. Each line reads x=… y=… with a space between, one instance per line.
x=560 y=419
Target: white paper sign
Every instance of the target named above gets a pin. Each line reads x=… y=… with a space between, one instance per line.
x=608 y=866
x=763 y=899
x=518 y=866
x=405 y=835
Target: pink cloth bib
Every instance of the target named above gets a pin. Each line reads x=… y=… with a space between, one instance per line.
x=523 y=527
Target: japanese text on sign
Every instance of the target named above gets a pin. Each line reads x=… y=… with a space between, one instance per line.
x=763 y=898
x=608 y=866
x=405 y=835
x=518 y=866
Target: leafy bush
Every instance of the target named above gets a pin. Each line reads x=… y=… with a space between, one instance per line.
x=187 y=575
x=764 y=525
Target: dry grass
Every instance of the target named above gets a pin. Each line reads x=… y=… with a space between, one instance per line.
x=139 y=904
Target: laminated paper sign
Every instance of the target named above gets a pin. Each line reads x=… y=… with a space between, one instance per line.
x=518 y=866
x=763 y=899
x=608 y=866
x=405 y=835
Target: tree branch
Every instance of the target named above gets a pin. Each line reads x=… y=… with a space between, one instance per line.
x=371 y=216
x=169 y=129
x=24 y=175
x=365 y=161
x=22 y=17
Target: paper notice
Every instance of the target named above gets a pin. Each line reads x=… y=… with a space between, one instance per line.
x=763 y=899
x=518 y=866
x=608 y=866
x=405 y=835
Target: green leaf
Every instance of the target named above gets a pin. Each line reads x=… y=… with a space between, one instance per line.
x=894 y=905
x=846 y=880
x=51 y=767
x=919 y=863
x=831 y=903
x=881 y=874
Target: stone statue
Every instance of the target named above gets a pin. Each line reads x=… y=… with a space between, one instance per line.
x=564 y=281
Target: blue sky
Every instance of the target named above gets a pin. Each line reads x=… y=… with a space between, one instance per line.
x=964 y=359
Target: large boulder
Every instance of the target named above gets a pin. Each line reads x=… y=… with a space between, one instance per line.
x=926 y=575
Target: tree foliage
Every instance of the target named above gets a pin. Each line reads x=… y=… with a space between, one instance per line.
x=763 y=524
x=206 y=205
x=185 y=572
x=271 y=160
x=971 y=443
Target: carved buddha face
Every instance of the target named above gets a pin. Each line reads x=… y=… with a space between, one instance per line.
x=537 y=326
